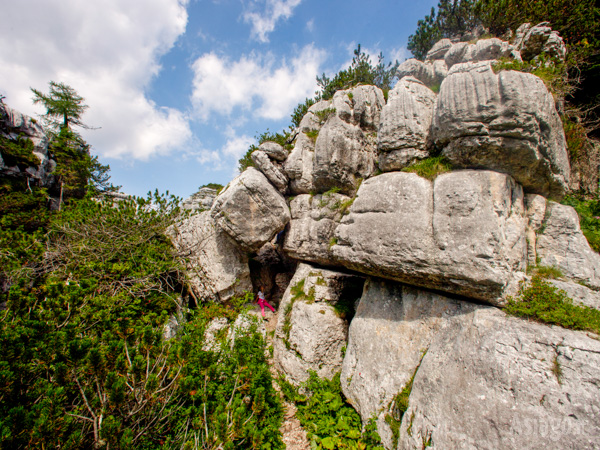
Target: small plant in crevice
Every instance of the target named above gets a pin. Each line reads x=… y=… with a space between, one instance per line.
x=325 y=114
x=312 y=134
x=548 y=272
x=543 y=302
x=588 y=211
x=557 y=369
x=430 y=167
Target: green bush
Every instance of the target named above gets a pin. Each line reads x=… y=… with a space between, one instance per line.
x=430 y=167
x=329 y=421
x=542 y=302
x=589 y=218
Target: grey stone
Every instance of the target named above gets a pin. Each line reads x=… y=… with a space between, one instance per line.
x=217 y=269
x=405 y=123
x=311 y=230
x=430 y=73
x=274 y=150
x=536 y=210
x=273 y=173
x=581 y=295
x=561 y=244
x=201 y=200
x=393 y=326
x=439 y=49
x=464 y=233
x=251 y=210
x=310 y=335
x=459 y=53
x=505 y=122
x=541 y=39
x=489 y=381
x=299 y=164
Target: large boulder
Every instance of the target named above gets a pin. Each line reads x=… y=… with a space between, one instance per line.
x=251 y=210
x=561 y=244
x=345 y=146
x=463 y=233
x=270 y=169
x=490 y=381
x=533 y=41
x=217 y=269
x=299 y=165
x=505 y=122
x=393 y=326
x=312 y=327
x=430 y=73
x=311 y=231
x=405 y=123
x=201 y=200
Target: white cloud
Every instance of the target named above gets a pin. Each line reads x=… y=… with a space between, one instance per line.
x=260 y=83
x=399 y=54
x=264 y=21
x=310 y=25
x=107 y=50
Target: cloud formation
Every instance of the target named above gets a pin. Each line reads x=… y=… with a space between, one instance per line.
x=269 y=88
x=263 y=15
x=108 y=51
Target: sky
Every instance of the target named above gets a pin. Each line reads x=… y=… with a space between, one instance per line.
x=177 y=90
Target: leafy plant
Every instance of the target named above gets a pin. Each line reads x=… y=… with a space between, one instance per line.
x=312 y=134
x=325 y=114
x=542 y=302
x=589 y=218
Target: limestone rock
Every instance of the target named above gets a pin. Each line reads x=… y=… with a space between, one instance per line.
x=491 y=381
x=274 y=150
x=310 y=334
x=561 y=244
x=201 y=200
x=299 y=164
x=311 y=230
x=251 y=210
x=535 y=206
x=217 y=268
x=463 y=233
x=505 y=122
x=393 y=326
x=581 y=295
x=541 y=39
x=273 y=173
x=439 y=49
x=459 y=53
x=430 y=73
x=405 y=123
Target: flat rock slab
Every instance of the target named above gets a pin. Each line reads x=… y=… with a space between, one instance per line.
x=463 y=233
x=251 y=210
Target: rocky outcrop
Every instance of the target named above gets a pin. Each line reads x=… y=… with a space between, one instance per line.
x=345 y=147
x=491 y=381
x=313 y=325
x=405 y=123
x=561 y=244
x=270 y=169
x=399 y=322
x=310 y=235
x=430 y=73
x=251 y=210
x=217 y=267
x=505 y=122
x=201 y=200
x=463 y=233
x=539 y=39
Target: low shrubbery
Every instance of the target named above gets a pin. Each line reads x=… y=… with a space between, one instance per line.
x=429 y=167
x=589 y=218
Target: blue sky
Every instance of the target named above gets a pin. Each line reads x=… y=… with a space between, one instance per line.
x=178 y=89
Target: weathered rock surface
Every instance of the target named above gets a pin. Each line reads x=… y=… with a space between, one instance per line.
x=505 y=122
x=274 y=150
x=310 y=334
x=489 y=381
x=311 y=230
x=405 y=123
x=270 y=170
x=581 y=295
x=345 y=148
x=439 y=50
x=393 y=326
x=299 y=164
x=218 y=268
x=533 y=41
x=463 y=233
x=251 y=210
x=535 y=206
x=430 y=73
x=561 y=244
x=201 y=200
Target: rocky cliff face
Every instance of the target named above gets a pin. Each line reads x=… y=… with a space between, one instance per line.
x=440 y=256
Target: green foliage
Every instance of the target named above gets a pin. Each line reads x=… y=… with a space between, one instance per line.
x=430 y=167
x=64 y=107
x=576 y=137
x=216 y=186
x=552 y=73
x=325 y=114
x=547 y=272
x=300 y=111
x=542 y=302
x=589 y=218
x=18 y=152
x=83 y=363
x=282 y=139
x=329 y=421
